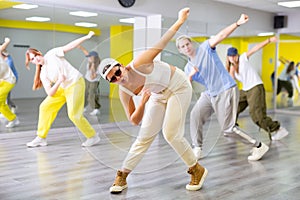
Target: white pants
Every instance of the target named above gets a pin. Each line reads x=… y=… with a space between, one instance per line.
x=166 y=111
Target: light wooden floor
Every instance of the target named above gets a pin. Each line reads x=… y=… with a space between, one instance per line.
x=66 y=171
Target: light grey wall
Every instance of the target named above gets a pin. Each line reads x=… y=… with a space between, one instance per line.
x=44 y=41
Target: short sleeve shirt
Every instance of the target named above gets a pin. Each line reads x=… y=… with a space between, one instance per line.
x=212 y=73
x=247 y=74
x=56 y=64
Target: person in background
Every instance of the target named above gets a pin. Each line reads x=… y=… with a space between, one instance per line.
x=253 y=93
x=92 y=80
x=294 y=74
x=168 y=93
x=9 y=60
x=63 y=83
x=7 y=83
x=284 y=79
x=221 y=94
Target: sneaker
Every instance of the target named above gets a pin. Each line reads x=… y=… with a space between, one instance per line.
x=14 y=109
x=290 y=102
x=38 y=141
x=258 y=152
x=197 y=152
x=13 y=123
x=95 y=112
x=120 y=182
x=91 y=141
x=198 y=175
x=280 y=133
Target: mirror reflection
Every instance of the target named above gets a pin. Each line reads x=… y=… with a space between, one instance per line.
x=61 y=28
x=287 y=75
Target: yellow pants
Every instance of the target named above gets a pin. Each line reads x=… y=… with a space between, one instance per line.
x=74 y=97
x=5 y=88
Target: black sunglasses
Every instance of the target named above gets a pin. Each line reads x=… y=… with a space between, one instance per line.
x=117 y=73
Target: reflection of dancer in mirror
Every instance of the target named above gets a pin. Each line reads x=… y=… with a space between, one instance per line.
x=92 y=78
x=294 y=72
x=63 y=84
x=253 y=92
x=9 y=60
x=284 y=79
x=7 y=83
x=168 y=93
x=221 y=95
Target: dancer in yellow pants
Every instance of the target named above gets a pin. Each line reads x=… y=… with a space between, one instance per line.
x=63 y=84
x=7 y=82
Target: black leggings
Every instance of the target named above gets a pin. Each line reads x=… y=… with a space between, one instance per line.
x=287 y=85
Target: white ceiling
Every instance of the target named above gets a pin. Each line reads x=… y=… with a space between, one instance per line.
x=105 y=19
x=264 y=5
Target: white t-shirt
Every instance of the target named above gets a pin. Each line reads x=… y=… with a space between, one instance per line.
x=284 y=76
x=247 y=74
x=88 y=75
x=56 y=64
x=6 y=73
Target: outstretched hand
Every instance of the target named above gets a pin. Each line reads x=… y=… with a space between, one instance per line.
x=90 y=34
x=243 y=19
x=6 y=40
x=273 y=39
x=183 y=14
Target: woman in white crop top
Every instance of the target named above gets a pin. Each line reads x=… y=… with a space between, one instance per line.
x=168 y=93
x=63 y=83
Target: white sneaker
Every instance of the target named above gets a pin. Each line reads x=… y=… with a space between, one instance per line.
x=280 y=133
x=14 y=109
x=290 y=102
x=13 y=123
x=91 y=141
x=95 y=112
x=197 y=152
x=37 y=142
x=257 y=153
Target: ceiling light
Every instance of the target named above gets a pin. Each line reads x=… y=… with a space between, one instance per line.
x=83 y=14
x=25 y=6
x=266 y=34
x=127 y=20
x=86 y=24
x=289 y=4
x=38 y=19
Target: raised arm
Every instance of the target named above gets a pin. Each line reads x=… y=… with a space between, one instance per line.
x=283 y=60
x=5 y=44
x=77 y=42
x=260 y=45
x=148 y=56
x=85 y=52
x=214 y=41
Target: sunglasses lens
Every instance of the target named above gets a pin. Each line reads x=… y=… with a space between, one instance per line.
x=118 y=72
x=113 y=79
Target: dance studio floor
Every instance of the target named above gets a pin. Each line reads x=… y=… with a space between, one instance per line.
x=64 y=170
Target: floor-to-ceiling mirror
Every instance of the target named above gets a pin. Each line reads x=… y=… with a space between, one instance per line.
x=287 y=76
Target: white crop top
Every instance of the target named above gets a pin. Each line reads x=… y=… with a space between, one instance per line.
x=156 y=81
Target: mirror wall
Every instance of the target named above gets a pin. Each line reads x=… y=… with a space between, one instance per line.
x=55 y=36
x=288 y=91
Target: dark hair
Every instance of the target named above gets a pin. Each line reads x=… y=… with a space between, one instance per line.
x=290 y=67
